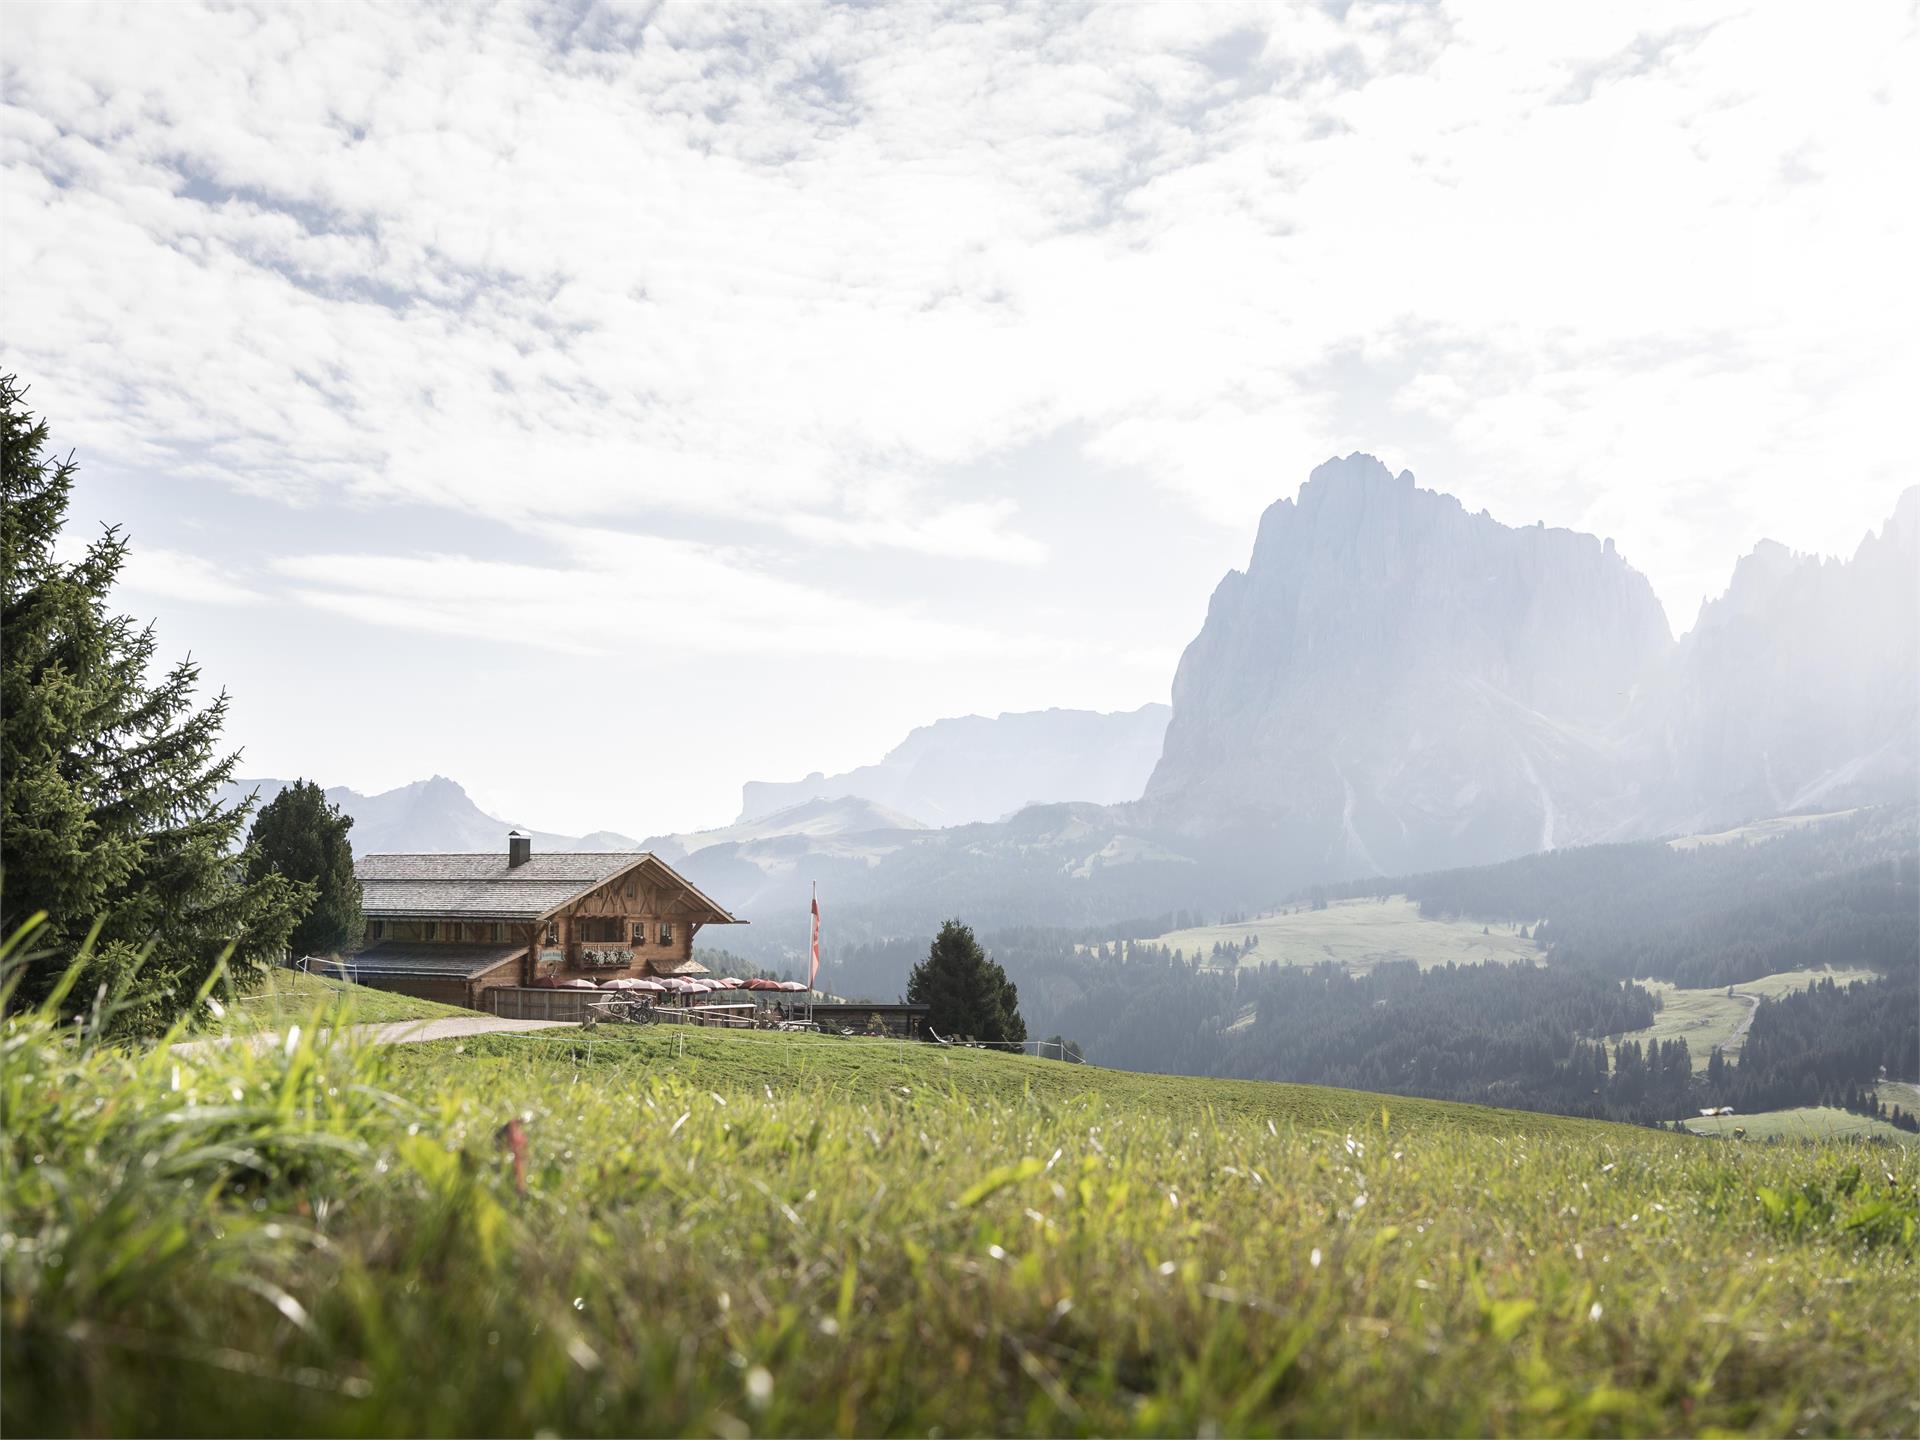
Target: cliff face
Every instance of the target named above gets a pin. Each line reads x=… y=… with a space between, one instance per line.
x=1798 y=688
x=1395 y=684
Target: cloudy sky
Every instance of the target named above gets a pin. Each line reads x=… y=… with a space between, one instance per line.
x=604 y=406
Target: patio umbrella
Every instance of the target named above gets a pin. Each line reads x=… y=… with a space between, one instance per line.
x=730 y=982
x=623 y=982
x=791 y=985
x=759 y=984
x=578 y=985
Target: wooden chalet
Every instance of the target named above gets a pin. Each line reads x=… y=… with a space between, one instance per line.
x=451 y=927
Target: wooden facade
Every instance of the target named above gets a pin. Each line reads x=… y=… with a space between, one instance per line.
x=449 y=928
x=446 y=990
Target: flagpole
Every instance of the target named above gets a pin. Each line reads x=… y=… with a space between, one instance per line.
x=814 y=946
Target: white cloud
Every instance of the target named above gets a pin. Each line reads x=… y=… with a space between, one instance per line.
x=803 y=277
x=152 y=572
x=617 y=594
x=175 y=575
x=760 y=259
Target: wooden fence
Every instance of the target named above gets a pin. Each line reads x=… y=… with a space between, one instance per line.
x=523 y=1002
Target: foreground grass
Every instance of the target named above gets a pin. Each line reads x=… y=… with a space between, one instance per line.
x=621 y=1232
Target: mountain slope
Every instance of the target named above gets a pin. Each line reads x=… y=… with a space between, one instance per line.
x=814 y=819
x=972 y=768
x=1394 y=683
x=1799 y=687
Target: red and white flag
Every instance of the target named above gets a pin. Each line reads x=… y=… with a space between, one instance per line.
x=815 y=973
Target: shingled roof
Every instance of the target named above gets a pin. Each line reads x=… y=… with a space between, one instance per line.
x=486 y=887
x=454 y=962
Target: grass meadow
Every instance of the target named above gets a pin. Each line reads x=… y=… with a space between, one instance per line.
x=1706 y=1018
x=617 y=1231
x=1807 y=1122
x=1757 y=830
x=1359 y=934
x=286 y=997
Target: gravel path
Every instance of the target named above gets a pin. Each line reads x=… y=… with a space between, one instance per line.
x=451 y=1027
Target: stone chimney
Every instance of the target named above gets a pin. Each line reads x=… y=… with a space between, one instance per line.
x=519 y=849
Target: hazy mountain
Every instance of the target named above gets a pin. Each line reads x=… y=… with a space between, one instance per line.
x=1799 y=687
x=435 y=816
x=1062 y=864
x=817 y=819
x=972 y=768
x=1394 y=683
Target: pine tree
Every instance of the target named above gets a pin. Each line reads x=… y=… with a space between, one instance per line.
x=108 y=782
x=966 y=992
x=300 y=835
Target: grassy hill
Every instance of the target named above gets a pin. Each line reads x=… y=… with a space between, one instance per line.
x=286 y=996
x=619 y=1231
x=1359 y=934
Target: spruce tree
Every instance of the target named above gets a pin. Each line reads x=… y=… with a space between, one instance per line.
x=108 y=781
x=301 y=835
x=966 y=993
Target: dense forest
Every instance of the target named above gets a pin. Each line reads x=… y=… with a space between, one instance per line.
x=1824 y=1046
x=1843 y=893
x=1840 y=894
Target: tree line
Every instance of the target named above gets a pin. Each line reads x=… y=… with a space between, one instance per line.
x=1843 y=893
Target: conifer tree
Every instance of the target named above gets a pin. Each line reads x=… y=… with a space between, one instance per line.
x=303 y=836
x=966 y=993
x=108 y=781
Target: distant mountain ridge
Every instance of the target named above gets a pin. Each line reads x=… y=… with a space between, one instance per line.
x=437 y=816
x=1799 y=687
x=814 y=818
x=433 y=816
x=973 y=768
x=1393 y=685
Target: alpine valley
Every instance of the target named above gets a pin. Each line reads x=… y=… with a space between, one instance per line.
x=1393 y=685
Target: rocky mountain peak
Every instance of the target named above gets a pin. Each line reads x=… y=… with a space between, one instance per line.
x=1393 y=681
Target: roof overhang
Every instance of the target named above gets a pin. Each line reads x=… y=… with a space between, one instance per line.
x=510 y=917
x=718 y=915
x=424 y=960
x=535 y=914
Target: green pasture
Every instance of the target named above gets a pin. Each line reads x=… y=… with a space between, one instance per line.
x=1756 y=830
x=1810 y=1122
x=286 y=996
x=621 y=1231
x=1706 y=1018
x=1359 y=934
